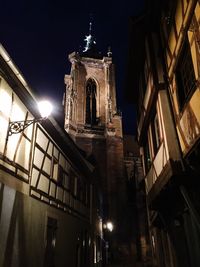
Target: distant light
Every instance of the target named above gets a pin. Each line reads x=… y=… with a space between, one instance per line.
x=109 y=226
x=45 y=108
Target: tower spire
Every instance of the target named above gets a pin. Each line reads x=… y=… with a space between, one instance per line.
x=90 y=41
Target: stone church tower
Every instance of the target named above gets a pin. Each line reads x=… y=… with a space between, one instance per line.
x=92 y=120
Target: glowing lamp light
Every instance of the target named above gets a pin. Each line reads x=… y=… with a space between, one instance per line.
x=109 y=226
x=45 y=108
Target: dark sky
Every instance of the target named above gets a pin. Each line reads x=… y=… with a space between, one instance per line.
x=39 y=35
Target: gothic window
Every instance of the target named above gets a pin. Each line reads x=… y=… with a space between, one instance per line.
x=91 y=102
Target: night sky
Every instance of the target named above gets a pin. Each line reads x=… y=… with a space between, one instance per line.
x=39 y=35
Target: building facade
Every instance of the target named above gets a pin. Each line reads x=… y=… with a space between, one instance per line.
x=48 y=198
x=166 y=82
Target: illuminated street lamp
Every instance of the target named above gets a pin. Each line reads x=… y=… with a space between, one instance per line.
x=45 y=109
x=109 y=226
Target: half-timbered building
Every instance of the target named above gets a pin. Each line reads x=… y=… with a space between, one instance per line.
x=164 y=64
x=48 y=197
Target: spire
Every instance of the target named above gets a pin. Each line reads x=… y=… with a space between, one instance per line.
x=90 y=41
x=90 y=49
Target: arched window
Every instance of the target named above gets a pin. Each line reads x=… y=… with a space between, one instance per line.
x=91 y=102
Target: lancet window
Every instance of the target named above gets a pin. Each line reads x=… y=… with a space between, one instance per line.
x=91 y=102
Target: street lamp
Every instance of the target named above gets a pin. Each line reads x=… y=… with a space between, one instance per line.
x=45 y=109
x=109 y=226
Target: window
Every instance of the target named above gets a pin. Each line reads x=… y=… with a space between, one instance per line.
x=74 y=184
x=49 y=259
x=147 y=159
x=55 y=169
x=66 y=180
x=57 y=172
x=155 y=133
x=91 y=102
x=61 y=175
x=185 y=76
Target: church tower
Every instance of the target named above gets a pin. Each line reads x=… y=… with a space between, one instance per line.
x=90 y=106
x=92 y=120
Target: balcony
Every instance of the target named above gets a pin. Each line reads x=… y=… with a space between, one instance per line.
x=166 y=160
